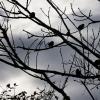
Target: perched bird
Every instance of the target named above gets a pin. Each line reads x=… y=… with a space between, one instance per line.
x=51 y=44
x=80 y=27
x=78 y=72
x=97 y=62
x=32 y=14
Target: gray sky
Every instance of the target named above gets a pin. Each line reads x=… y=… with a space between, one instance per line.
x=12 y=75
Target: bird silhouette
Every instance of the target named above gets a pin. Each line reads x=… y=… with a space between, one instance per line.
x=51 y=44
x=78 y=72
x=32 y=14
x=80 y=27
x=97 y=62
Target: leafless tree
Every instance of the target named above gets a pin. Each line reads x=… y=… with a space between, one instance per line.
x=84 y=67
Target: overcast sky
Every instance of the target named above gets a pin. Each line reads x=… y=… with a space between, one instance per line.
x=12 y=75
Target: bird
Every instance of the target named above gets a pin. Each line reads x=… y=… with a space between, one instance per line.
x=51 y=44
x=97 y=62
x=80 y=27
x=78 y=72
x=32 y=14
